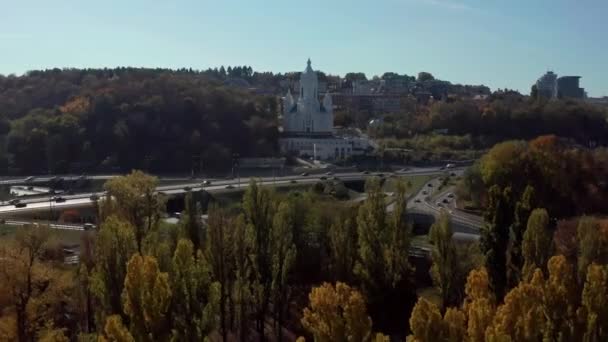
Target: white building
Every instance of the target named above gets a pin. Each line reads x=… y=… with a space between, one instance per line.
x=308 y=124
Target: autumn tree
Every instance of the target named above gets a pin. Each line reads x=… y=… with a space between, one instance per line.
x=146 y=298
x=592 y=244
x=114 y=246
x=32 y=291
x=521 y=316
x=479 y=306
x=336 y=314
x=537 y=244
x=426 y=323
x=137 y=202
x=383 y=266
x=242 y=290
x=594 y=305
x=196 y=298
x=115 y=331
x=560 y=300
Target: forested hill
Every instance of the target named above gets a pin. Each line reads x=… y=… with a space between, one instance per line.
x=97 y=120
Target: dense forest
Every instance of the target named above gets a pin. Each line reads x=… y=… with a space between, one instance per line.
x=303 y=265
x=96 y=120
x=479 y=124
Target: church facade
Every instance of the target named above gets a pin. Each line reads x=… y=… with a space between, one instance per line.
x=308 y=124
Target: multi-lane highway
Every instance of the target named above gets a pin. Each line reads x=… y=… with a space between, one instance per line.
x=421 y=202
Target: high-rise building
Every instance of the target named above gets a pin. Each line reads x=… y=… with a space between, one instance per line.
x=547 y=85
x=568 y=87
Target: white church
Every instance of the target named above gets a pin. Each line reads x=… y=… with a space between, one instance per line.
x=308 y=124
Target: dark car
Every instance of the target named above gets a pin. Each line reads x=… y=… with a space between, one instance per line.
x=14 y=201
x=322 y=178
x=336 y=178
x=430 y=185
x=187 y=188
x=445 y=200
x=304 y=174
x=207 y=182
x=58 y=199
x=380 y=175
x=293 y=181
x=229 y=186
x=20 y=205
x=94 y=197
x=329 y=173
x=366 y=172
x=417 y=200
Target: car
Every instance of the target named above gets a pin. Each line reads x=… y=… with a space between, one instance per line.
x=229 y=186
x=366 y=172
x=322 y=178
x=88 y=226
x=417 y=200
x=453 y=174
x=30 y=188
x=451 y=195
x=336 y=178
x=380 y=175
x=20 y=205
x=405 y=169
x=58 y=199
x=14 y=201
x=207 y=182
x=439 y=204
x=29 y=179
x=304 y=174
x=187 y=188
x=430 y=185
x=94 y=197
x=329 y=173
x=450 y=166
x=424 y=192
x=446 y=200
x=82 y=177
x=293 y=181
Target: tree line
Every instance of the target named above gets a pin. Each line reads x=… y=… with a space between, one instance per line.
x=502 y=116
x=95 y=120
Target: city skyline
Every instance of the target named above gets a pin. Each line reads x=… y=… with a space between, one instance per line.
x=461 y=41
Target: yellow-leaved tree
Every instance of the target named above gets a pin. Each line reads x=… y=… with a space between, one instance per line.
x=337 y=314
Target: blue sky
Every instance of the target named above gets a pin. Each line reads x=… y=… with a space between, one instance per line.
x=494 y=42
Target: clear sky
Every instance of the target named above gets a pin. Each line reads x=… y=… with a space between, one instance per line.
x=499 y=43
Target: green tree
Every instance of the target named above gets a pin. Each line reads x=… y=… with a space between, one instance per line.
x=283 y=258
x=515 y=260
x=444 y=270
x=191 y=222
x=114 y=246
x=495 y=236
x=195 y=303
x=259 y=208
x=343 y=247
x=537 y=243
x=137 y=202
x=219 y=252
x=242 y=292
x=383 y=266
x=425 y=76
